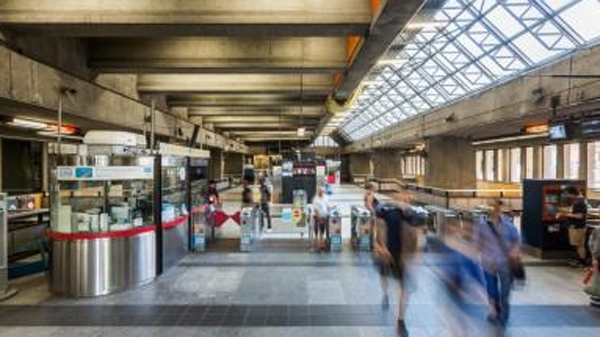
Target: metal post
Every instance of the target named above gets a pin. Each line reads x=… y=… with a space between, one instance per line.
x=152 y=124
x=60 y=108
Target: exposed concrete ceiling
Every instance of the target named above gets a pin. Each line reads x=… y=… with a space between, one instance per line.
x=263 y=66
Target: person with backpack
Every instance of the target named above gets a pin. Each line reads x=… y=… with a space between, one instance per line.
x=265 y=199
x=394 y=249
x=498 y=243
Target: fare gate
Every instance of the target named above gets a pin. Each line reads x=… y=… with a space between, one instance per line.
x=248 y=229
x=361 y=226
x=335 y=230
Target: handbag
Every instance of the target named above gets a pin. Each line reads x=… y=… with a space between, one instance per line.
x=517 y=269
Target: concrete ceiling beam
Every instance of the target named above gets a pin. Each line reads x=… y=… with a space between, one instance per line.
x=236 y=83
x=393 y=17
x=225 y=100
x=187 y=18
x=307 y=111
x=257 y=119
x=218 y=55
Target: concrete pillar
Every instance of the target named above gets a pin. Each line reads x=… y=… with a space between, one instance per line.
x=386 y=164
x=538 y=162
x=450 y=163
x=583 y=160
x=560 y=161
x=1 y=163
x=359 y=164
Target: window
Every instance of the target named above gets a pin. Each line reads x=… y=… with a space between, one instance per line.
x=479 y=165
x=489 y=165
x=500 y=164
x=550 y=162
x=571 y=161
x=529 y=163
x=515 y=165
x=594 y=165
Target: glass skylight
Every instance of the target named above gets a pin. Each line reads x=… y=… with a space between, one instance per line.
x=470 y=45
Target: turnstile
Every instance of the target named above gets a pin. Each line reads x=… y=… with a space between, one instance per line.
x=335 y=230
x=361 y=228
x=248 y=228
x=5 y=290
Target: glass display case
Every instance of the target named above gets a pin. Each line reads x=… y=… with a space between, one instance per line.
x=97 y=210
x=174 y=212
x=198 y=182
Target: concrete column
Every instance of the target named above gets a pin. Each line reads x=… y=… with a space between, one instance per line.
x=450 y=163
x=583 y=160
x=560 y=161
x=359 y=164
x=1 y=163
x=523 y=162
x=538 y=162
x=386 y=163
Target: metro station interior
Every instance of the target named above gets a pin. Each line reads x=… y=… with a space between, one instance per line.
x=300 y=168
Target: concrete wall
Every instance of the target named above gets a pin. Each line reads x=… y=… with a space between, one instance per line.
x=450 y=163
x=359 y=164
x=234 y=163
x=31 y=89
x=217 y=164
x=386 y=163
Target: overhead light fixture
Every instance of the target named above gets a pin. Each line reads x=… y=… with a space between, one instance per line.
x=28 y=124
x=536 y=129
x=425 y=24
x=392 y=62
x=301 y=131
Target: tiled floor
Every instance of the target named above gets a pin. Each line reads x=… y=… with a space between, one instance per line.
x=283 y=290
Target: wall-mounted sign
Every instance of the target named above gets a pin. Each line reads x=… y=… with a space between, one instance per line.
x=98 y=173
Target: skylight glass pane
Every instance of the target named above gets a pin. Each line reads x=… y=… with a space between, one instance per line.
x=583 y=18
x=482 y=43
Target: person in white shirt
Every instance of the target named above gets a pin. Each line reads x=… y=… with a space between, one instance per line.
x=321 y=213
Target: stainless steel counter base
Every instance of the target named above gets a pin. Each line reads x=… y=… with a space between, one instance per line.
x=100 y=266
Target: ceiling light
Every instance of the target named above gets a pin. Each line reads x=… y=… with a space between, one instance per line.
x=301 y=131
x=392 y=62
x=29 y=124
x=426 y=24
x=533 y=129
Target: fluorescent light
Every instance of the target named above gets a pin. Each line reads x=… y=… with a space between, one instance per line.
x=301 y=132
x=392 y=62
x=426 y=24
x=29 y=124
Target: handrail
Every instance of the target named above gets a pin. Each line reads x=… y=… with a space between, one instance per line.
x=448 y=193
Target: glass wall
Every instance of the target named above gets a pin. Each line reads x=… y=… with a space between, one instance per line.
x=593 y=168
x=515 y=165
x=571 y=161
x=490 y=166
x=550 y=162
x=529 y=163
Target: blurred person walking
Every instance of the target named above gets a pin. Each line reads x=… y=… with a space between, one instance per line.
x=498 y=243
x=321 y=209
x=394 y=250
x=265 y=198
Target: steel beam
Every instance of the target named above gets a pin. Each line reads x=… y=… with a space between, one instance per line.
x=235 y=83
x=392 y=19
x=218 y=55
x=187 y=18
